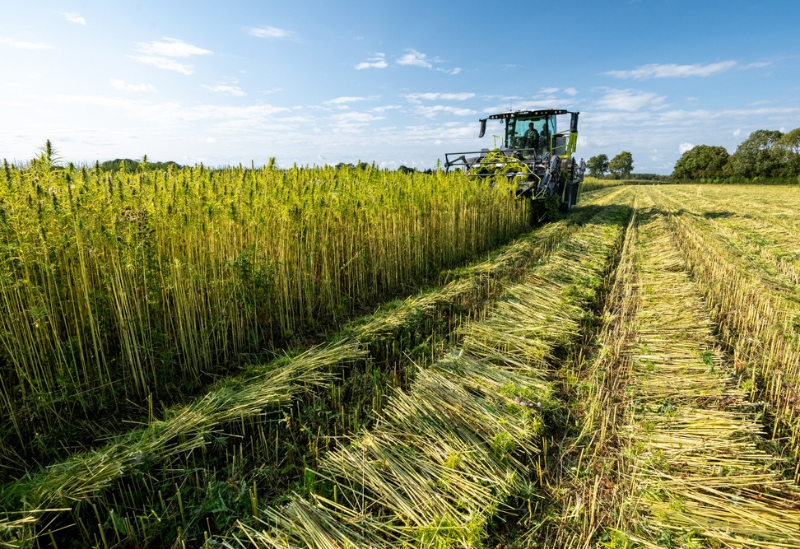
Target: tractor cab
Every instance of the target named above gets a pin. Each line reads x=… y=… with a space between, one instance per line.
x=535 y=133
x=529 y=134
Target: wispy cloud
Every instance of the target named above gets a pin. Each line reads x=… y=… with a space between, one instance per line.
x=171 y=47
x=25 y=45
x=548 y=91
x=416 y=59
x=630 y=100
x=673 y=71
x=164 y=63
x=348 y=99
x=377 y=62
x=158 y=54
x=685 y=147
x=74 y=18
x=124 y=86
x=269 y=32
x=758 y=65
x=432 y=111
x=418 y=97
x=227 y=90
x=385 y=108
x=571 y=91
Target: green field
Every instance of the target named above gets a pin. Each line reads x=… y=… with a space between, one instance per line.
x=362 y=358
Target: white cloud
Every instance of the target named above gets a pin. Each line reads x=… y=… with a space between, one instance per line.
x=269 y=32
x=347 y=99
x=432 y=111
x=548 y=91
x=73 y=18
x=124 y=86
x=450 y=71
x=25 y=45
x=417 y=97
x=362 y=117
x=571 y=91
x=228 y=90
x=169 y=113
x=415 y=58
x=377 y=62
x=757 y=65
x=672 y=70
x=685 y=147
x=737 y=132
x=630 y=100
x=171 y=47
x=386 y=108
x=164 y=63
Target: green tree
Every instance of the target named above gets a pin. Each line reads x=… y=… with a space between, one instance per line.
x=791 y=141
x=759 y=155
x=791 y=146
x=702 y=161
x=621 y=165
x=598 y=165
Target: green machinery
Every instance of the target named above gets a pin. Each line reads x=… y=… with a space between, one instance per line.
x=533 y=152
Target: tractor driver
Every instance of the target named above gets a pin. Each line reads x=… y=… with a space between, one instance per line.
x=544 y=136
x=531 y=137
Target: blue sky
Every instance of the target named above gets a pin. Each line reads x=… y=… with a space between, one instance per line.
x=391 y=82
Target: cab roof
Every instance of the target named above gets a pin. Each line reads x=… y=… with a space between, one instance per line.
x=521 y=114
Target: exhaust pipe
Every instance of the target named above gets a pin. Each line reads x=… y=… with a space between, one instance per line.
x=483 y=127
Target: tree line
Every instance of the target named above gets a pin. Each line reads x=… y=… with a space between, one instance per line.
x=619 y=167
x=764 y=154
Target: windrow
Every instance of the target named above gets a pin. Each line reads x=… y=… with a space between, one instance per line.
x=694 y=458
x=689 y=470
x=175 y=472
x=757 y=235
x=758 y=324
x=447 y=452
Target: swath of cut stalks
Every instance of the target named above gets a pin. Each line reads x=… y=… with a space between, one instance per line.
x=585 y=489
x=759 y=326
x=185 y=430
x=760 y=231
x=696 y=473
x=445 y=454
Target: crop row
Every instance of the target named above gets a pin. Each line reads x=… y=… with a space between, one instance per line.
x=695 y=471
x=759 y=323
x=122 y=286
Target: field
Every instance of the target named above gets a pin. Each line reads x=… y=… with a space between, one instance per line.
x=360 y=358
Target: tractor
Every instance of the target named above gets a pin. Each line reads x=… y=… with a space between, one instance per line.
x=533 y=153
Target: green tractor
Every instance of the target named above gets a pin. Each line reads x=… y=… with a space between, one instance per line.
x=534 y=153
